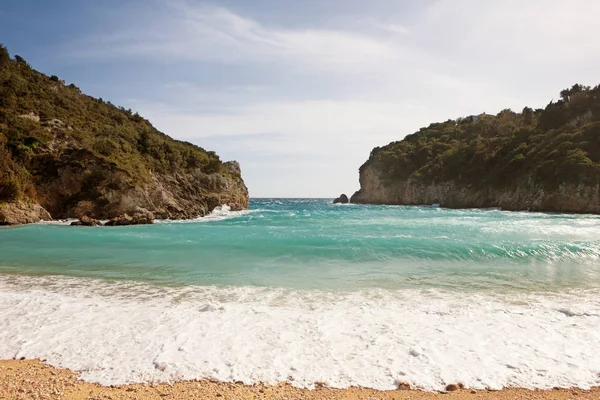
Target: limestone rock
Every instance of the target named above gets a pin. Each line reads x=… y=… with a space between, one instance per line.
x=31 y=116
x=234 y=206
x=343 y=199
x=233 y=167
x=140 y=217
x=121 y=220
x=20 y=212
x=86 y=221
x=526 y=195
x=84 y=164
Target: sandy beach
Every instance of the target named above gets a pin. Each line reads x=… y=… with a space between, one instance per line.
x=32 y=379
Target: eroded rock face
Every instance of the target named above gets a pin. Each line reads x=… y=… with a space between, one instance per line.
x=233 y=167
x=343 y=199
x=104 y=192
x=142 y=217
x=182 y=195
x=520 y=196
x=19 y=212
x=234 y=206
x=101 y=161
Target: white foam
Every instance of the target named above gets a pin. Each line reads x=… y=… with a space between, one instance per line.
x=115 y=333
x=58 y=222
x=220 y=213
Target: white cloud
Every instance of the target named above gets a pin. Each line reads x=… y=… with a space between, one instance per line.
x=202 y=33
x=323 y=96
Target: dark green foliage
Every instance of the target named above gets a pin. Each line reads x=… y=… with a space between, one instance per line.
x=4 y=56
x=78 y=132
x=559 y=144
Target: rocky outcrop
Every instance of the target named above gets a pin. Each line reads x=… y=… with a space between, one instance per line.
x=521 y=195
x=544 y=160
x=65 y=154
x=21 y=212
x=141 y=217
x=86 y=221
x=181 y=195
x=343 y=199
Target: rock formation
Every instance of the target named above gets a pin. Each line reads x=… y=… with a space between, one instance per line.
x=86 y=221
x=542 y=160
x=67 y=155
x=343 y=199
x=22 y=212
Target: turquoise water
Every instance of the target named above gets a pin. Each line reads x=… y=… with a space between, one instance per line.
x=310 y=243
x=303 y=291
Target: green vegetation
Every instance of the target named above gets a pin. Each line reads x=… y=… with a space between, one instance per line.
x=46 y=126
x=548 y=147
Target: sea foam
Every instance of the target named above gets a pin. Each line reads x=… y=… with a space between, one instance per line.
x=116 y=333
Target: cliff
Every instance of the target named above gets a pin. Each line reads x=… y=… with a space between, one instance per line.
x=64 y=154
x=543 y=160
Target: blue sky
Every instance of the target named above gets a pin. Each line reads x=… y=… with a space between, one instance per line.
x=299 y=92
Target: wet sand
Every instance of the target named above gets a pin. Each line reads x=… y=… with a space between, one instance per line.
x=32 y=379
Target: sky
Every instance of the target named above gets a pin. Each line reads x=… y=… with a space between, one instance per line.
x=300 y=91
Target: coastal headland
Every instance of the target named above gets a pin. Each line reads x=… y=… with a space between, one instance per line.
x=537 y=160
x=64 y=154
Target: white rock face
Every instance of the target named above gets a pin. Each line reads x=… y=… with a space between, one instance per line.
x=521 y=196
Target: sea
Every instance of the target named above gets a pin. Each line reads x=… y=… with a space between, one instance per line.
x=308 y=292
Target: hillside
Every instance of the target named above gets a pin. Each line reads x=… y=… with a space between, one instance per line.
x=545 y=159
x=70 y=154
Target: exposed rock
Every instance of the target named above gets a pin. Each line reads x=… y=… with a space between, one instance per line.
x=180 y=195
x=233 y=167
x=140 y=217
x=121 y=220
x=576 y=198
x=31 y=116
x=102 y=161
x=20 y=212
x=86 y=221
x=542 y=160
x=234 y=206
x=342 y=199
x=84 y=207
x=55 y=123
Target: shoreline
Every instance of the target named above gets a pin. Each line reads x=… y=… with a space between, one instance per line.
x=70 y=220
x=33 y=379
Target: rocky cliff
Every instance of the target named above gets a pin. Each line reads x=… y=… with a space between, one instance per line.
x=544 y=160
x=64 y=154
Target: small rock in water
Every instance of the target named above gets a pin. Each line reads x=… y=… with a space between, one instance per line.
x=140 y=217
x=86 y=221
x=343 y=199
x=121 y=220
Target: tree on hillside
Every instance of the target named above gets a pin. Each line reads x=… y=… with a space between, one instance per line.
x=4 y=56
